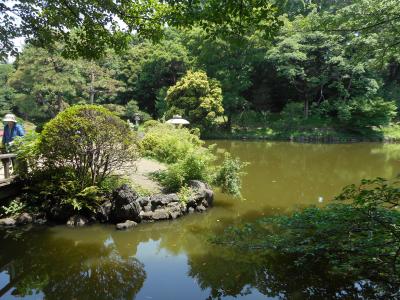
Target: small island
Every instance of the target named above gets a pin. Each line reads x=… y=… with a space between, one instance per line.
x=88 y=165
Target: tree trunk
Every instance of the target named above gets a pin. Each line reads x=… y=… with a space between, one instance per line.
x=306 y=108
x=91 y=89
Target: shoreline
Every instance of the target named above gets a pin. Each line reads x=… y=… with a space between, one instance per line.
x=125 y=209
x=303 y=139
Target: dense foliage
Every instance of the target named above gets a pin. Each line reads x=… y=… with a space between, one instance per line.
x=197 y=98
x=98 y=143
x=87 y=28
x=357 y=237
x=188 y=159
x=329 y=58
x=70 y=163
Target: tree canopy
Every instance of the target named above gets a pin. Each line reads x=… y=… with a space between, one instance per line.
x=88 y=28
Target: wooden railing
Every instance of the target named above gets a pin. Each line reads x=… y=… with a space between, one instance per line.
x=7 y=161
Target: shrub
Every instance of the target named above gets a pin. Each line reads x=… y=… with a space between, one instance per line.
x=228 y=176
x=69 y=166
x=168 y=144
x=28 y=155
x=195 y=165
x=132 y=110
x=90 y=141
x=13 y=208
x=188 y=159
x=291 y=116
x=61 y=188
x=359 y=114
x=185 y=193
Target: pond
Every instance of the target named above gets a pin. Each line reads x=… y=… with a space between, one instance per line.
x=174 y=260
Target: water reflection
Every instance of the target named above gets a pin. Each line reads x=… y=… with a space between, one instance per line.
x=174 y=260
x=61 y=268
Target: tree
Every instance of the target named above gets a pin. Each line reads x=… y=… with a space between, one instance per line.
x=197 y=98
x=320 y=65
x=46 y=83
x=88 y=28
x=374 y=23
x=89 y=140
x=232 y=64
x=149 y=67
x=6 y=92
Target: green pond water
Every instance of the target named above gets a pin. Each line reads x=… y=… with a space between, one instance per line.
x=174 y=260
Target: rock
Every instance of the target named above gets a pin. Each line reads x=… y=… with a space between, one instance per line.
x=126 y=225
x=175 y=210
x=160 y=200
x=40 y=221
x=204 y=202
x=147 y=208
x=197 y=185
x=24 y=219
x=103 y=212
x=143 y=201
x=124 y=205
x=77 y=221
x=146 y=215
x=161 y=214
x=200 y=208
x=192 y=201
x=60 y=213
x=190 y=210
x=7 y=222
x=209 y=196
x=158 y=214
x=202 y=191
x=124 y=195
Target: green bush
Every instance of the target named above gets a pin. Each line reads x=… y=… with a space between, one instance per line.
x=132 y=110
x=228 y=176
x=70 y=164
x=168 y=144
x=89 y=140
x=360 y=114
x=195 y=165
x=291 y=116
x=188 y=159
x=61 y=188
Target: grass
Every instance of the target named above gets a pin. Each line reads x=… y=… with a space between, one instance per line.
x=311 y=130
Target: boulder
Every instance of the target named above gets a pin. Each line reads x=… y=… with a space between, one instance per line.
x=209 y=196
x=7 y=222
x=160 y=200
x=124 y=194
x=146 y=215
x=158 y=214
x=147 y=208
x=175 y=210
x=124 y=205
x=60 y=213
x=24 y=219
x=103 y=212
x=205 y=203
x=190 y=210
x=161 y=214
x=126 y=225
x=197 y=185
x=77 y=221
x=143 y=201
x=200 y=208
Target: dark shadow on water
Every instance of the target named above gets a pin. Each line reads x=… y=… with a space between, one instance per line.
x=61 y=269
